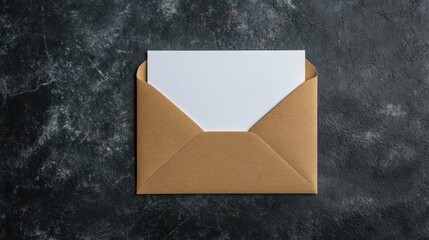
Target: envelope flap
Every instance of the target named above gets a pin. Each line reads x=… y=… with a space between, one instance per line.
x=310 y=71
x=162 y=129
x=290 y=128
x=234 y=162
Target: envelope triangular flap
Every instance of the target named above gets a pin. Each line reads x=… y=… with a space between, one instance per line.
x=290 y=128
x=226 y=162
x=162 y=129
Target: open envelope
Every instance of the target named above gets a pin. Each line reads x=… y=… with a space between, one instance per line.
x=277 y=155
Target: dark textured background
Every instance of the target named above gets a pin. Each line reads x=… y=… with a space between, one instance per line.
x=67 y=118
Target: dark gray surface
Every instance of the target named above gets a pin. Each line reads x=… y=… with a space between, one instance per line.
x=67 y=118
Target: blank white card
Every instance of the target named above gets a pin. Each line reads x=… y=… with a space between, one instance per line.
x=226 y=90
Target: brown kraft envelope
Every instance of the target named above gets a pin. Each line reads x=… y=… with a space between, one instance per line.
x=278 y=155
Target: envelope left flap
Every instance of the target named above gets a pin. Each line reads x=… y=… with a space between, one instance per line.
x=162 y=129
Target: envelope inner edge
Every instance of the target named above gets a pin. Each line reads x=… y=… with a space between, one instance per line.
x=310 y=74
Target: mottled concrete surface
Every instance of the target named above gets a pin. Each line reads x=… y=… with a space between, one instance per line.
x=67 y=118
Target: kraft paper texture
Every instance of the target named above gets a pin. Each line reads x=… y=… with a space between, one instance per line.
x=278 y=155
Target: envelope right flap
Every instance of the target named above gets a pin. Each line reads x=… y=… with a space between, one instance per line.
x=290 y=129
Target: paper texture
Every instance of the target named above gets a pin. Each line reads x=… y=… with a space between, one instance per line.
x=226 y=90
x=278 y=155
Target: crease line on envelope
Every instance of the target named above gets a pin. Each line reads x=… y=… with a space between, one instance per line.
x=299 y=174
x=179 y=151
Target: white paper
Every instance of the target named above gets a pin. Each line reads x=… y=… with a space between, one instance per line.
x=226 y=90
